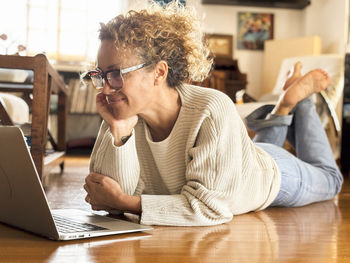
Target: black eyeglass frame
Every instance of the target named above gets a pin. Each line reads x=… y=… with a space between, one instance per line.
x=104 y=75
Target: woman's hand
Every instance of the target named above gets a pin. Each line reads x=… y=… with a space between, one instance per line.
x=119 y=127
x=103 y=193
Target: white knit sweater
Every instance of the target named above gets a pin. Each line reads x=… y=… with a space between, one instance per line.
x=206 y=171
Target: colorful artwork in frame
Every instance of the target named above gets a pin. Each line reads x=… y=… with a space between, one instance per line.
x=253 y=30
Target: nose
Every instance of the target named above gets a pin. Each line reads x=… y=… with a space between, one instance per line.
x=107 y=89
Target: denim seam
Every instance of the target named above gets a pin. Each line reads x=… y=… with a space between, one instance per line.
x=262 y=118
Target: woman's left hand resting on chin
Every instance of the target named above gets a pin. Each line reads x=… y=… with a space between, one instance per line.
x=104 y=193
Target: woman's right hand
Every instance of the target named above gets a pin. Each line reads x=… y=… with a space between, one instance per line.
x=118 y=127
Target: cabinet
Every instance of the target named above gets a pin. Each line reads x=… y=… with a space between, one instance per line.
x=46 y=81
x=226 y=77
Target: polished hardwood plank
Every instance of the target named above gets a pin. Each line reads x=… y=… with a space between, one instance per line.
x=314 y=233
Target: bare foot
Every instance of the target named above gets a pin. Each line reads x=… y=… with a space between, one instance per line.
x=312 y=82
x=293 y=75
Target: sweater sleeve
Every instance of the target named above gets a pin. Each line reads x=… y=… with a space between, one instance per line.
x=119 y=163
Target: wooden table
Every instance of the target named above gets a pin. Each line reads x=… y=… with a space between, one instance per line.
x=46 y=82
x=315 y=233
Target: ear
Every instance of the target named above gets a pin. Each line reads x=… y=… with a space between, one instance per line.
x=160 y=72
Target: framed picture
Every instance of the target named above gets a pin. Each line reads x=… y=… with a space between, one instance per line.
x=220 y=45
x=253 y=30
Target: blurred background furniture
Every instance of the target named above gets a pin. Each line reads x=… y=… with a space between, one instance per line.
x=37 y=93
x=226 y=77
x=227 y=71
x=16 y=108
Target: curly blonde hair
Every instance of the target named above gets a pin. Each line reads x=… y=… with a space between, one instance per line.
x=171 y=33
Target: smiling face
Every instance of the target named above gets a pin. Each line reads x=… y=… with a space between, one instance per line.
x=137 y=93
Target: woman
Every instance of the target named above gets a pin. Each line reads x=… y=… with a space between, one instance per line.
x=177 y=154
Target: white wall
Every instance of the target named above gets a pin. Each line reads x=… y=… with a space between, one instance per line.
x=328 y=19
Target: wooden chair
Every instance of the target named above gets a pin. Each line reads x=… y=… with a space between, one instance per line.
x=46 y=82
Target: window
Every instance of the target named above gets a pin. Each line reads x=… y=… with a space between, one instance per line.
x=66 y=31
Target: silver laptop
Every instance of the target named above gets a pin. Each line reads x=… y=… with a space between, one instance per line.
x=23 y=203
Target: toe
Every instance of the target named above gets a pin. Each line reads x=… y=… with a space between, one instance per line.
x=297 y=69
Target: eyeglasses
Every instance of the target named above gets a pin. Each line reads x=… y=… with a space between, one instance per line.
x=113 y=77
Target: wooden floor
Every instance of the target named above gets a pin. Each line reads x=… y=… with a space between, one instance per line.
x=314 y=233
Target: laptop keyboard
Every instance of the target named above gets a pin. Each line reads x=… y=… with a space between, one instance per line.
x=67 y=225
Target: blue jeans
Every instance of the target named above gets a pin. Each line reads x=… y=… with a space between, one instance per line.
x=310 y=176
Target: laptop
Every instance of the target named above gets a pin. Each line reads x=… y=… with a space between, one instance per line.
x=23 y=203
